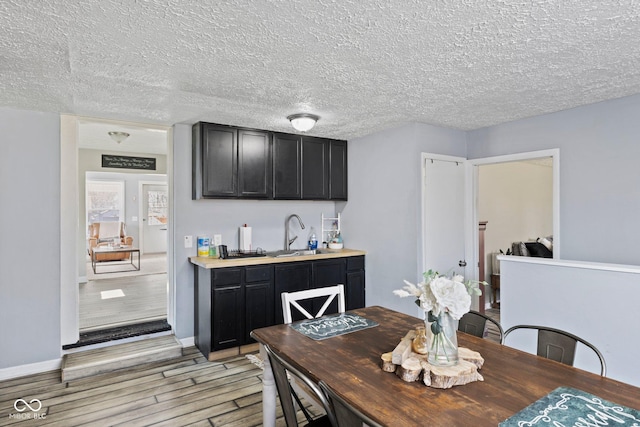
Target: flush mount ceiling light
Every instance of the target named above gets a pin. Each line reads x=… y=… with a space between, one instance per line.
x=118 y=136
x=303 y=122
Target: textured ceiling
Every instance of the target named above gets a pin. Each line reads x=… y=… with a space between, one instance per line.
x=362 y=65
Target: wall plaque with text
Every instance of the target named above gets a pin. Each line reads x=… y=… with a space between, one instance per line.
x=127 y=162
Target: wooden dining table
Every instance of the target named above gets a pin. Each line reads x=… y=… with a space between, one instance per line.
x=350 y=365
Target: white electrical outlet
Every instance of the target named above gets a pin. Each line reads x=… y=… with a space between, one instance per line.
x=217 y=239
x=188 y=241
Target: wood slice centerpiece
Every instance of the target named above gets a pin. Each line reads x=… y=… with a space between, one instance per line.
x=410 y=366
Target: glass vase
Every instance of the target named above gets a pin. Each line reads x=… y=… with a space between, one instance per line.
x=442 y=339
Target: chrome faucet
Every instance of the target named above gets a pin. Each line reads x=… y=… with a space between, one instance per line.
x=287 y=241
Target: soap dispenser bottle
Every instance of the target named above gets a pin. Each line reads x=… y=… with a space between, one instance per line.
x=313 y=240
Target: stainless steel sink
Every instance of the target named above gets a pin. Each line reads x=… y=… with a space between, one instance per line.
x=292 y=252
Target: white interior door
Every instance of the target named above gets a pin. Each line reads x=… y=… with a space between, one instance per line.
x=155 y=204
x=444 y=214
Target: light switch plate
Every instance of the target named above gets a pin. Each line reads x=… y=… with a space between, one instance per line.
x=188 y=241
x=217 y=239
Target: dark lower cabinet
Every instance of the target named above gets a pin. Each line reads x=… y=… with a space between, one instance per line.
x=329 y=272
x=227 y=319
x=355 y=288
x=290 y=277
x=258 y=300
x=231 y=302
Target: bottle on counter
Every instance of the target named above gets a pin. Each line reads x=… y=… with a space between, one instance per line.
x=313 y=240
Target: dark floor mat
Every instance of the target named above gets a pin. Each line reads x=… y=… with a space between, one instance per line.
x=118 y=333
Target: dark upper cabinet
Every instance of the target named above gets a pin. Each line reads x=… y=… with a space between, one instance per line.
x=218 y=146
x=338 y=170
x=254 y=164
x=315 y=168
x=230 y=162
x=287 y=160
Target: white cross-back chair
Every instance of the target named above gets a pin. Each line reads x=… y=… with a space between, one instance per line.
x=290 y=299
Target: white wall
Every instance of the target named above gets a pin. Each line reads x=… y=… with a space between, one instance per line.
x=30 y=237
x=597 y=302
x=382 y=215
x=516 y=198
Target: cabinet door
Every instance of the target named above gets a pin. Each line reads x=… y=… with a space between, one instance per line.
x=290 y=278
x=328 y=273
x=258 y=307
x=355 y=290
x=254 y=164
x=219 y=161
x=338 y=170
x=227 y=319
x=315 y=168
x=286 y=166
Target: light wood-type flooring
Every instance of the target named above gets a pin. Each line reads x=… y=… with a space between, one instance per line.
x=186 y=391
x=115 y=299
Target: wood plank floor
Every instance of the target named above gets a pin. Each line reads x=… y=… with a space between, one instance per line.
x=144 y=298
x=186 y=391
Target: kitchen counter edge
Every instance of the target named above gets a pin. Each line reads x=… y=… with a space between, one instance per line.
x=208 y=263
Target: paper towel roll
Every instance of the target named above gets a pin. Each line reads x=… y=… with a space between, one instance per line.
x=245 y=239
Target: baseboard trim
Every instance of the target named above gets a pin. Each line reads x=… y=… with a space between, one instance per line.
x=30 y=369
x=188 y=342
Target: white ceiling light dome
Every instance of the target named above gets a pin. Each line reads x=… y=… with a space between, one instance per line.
x=303 y=122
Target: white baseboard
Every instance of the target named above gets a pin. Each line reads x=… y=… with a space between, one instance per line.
x=33 y=368
x=188 y=342
x=52 y=365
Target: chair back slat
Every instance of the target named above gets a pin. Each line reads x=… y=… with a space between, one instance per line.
x=330 y=293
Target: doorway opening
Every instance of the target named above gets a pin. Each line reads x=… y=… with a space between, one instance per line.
x=123 y=286
x=442 y=245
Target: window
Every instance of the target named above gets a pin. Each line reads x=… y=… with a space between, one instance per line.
x=157 y=203
x=105 y=201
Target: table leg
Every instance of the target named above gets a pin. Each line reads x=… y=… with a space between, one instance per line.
x=268 y=392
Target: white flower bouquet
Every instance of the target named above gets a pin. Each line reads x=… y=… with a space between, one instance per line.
x=441 y=297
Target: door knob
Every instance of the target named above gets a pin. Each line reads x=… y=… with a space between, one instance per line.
x=462 y=263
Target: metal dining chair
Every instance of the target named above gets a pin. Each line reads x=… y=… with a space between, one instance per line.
x=559 y=345
x=475 y=323
x=282 y=371
x=330 y=293
x=345 y=414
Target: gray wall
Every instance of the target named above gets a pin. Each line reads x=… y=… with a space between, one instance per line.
x=209 y=217
x=382 y=215
x=30 y=237
x=600 y=198
x=599 y=173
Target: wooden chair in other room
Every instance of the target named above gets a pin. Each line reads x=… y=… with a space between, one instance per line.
x=559 y=345
x=475 y=323
x=282 y=371
x=345 y=414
